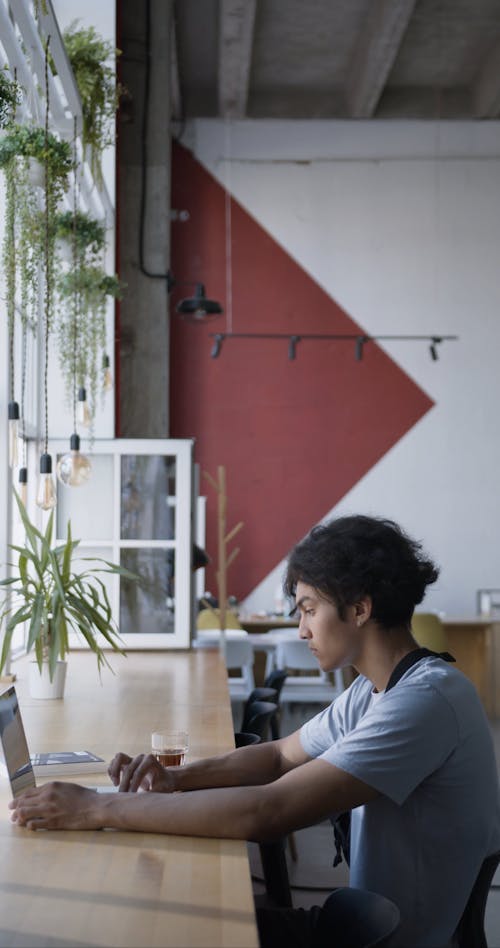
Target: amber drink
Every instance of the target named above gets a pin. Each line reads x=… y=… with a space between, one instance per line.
x=169 y=747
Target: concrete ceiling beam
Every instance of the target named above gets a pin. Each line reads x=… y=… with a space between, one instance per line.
x=237 y=21
x=487 y=88
x=375 y=53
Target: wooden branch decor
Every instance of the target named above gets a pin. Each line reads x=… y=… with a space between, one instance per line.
x=224 y=560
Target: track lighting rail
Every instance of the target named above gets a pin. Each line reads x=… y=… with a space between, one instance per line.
x=359 y=339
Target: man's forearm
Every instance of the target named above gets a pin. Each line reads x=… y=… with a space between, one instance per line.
x=247 y=766
x=232 y=813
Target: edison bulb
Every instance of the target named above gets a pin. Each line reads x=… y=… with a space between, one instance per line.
x=23 y=484
x=107 y=378
x=46 y=496
x=74 y=469
x=83 y=415
x=13 y=415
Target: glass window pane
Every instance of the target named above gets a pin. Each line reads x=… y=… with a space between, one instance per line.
x=87 y=557
x=89 y=507
x=147 y=497
x=148 y=606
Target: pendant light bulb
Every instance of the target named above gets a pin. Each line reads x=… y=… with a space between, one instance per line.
x=13 y=415
x=46 y=496
x=82 y=409
x=74 y=469
x=107 y=378
x=23 y=484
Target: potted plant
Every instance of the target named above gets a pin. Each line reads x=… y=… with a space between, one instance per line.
x=92 y=61
x=47 y=592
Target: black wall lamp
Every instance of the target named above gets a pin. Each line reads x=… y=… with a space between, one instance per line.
x=359 y=341
x=196 y=308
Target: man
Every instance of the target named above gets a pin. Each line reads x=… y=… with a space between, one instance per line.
x=406 y=748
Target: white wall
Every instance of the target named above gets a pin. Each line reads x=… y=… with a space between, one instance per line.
x=400 y=223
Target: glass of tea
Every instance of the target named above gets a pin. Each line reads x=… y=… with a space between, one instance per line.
x=169 y=747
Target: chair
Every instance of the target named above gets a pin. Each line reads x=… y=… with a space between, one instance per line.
x=210 y=619
x=210 y=638
x=356 y=918
x=428 y=631
x=470 y=929
x=243 y=739
x=239 y=655
x=317 y=687
x=259 y=716
x=258 y=694
x=275 y=680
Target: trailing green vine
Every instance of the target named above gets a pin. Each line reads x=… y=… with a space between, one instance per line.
x=24 y=239
x=91 y=286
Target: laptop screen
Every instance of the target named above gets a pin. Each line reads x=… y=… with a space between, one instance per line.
x=13 y=744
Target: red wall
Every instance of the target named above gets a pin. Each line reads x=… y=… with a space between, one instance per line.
x=294 y=436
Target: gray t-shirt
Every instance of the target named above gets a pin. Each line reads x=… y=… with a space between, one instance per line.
x=426 y=746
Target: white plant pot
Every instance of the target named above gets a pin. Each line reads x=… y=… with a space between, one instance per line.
x=36 y=173
x=40 y=684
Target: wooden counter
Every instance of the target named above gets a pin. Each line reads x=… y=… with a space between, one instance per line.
x=474 y=643
x=113 y=888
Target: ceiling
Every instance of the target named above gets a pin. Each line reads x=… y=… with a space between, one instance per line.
x=337 y=59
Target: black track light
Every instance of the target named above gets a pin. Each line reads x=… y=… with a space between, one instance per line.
x=292 y=347
x=433 y=348
x=358 y=353
x=217 y=346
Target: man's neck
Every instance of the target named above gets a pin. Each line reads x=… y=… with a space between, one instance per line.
x=384 y=649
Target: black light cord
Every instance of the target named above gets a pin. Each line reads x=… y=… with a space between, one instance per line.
x=76 y=293
x=48 y=286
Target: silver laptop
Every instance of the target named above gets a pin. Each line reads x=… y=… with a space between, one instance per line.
x=14 y=747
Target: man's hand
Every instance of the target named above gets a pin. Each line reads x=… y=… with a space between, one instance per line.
x=57 y=806
x=141 y=773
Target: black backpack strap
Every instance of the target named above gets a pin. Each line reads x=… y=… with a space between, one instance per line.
x=411 y=659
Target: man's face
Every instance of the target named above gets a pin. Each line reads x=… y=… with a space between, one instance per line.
x=334 y=641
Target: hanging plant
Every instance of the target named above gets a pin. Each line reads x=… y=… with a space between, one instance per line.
x=89 y=234
x=24 y=141
x=25 y=231
x=10 y=98
x=91 y=286
x=92 y=61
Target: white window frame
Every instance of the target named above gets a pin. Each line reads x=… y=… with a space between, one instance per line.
x=182 y=450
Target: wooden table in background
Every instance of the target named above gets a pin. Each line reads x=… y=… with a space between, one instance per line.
x=114 y=888
x=474 y=641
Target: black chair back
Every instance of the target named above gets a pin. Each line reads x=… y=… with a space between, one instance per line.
x=356 y=918
x=258 y=694
x=259 y=718
x=470 y=929
x=276 y=679
x=244 y=739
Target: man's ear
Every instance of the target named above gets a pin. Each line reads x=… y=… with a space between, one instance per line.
x=363 y=610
